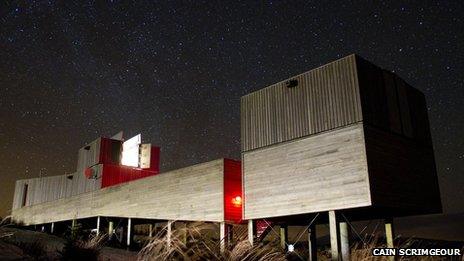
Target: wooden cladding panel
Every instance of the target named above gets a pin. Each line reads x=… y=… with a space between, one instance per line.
x=325 y=98
x=390 y=104
x=348 y=91
x=322 y=172
x=40 y=190
x=89 y=155
x=340 y=93
x=402 y=173
x=194 y=193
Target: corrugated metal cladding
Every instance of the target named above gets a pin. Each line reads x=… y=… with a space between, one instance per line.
x=340 y=93
x=325 y=98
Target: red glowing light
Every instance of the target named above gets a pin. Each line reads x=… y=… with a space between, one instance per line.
x=237 y=201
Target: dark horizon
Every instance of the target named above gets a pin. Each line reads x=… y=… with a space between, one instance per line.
x=71 y=73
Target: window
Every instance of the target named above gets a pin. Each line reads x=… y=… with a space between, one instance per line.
x=23 y=203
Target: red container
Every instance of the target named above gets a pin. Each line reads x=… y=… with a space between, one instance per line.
x=117 y=174
x=110 y=151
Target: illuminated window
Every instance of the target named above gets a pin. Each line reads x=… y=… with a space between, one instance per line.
x=130 y=151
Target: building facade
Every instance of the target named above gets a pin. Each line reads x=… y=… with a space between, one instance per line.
x=347 y=138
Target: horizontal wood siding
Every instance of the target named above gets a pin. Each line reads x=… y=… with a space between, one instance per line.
x=325 y=98
x=194 y=193
x=322 y=172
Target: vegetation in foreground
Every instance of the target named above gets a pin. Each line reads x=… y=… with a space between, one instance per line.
x=194 y=242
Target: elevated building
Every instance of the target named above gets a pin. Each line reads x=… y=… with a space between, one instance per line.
x=120 y=180
x=348 y=139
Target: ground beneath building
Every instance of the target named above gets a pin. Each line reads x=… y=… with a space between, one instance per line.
x=19 y=244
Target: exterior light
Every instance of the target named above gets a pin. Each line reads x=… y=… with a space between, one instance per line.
x=237 y=201
x=291 y=248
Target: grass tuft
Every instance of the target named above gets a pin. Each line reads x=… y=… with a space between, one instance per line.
x=83 y=249
x=197 y=242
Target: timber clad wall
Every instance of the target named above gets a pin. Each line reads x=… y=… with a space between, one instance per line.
x=325 y=98
x=45 y=189
x=300 y=153
x=89 y=155
x=41 y=190
x=338 y=94
x=318 y=173
x=389 y=103
x=194 y=193
x=402 y=173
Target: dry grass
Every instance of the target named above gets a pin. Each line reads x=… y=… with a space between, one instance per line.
x=83 y=249
x=4 y=222
x=197 y=242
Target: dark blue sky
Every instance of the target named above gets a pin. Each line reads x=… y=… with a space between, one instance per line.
x=70 y=72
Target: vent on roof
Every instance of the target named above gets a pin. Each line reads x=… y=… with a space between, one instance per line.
x=291 y=83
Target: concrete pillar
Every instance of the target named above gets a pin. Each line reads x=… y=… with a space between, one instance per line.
x=250 y=231
x=150 y=230
x=283 y=237
x=98 y=225
x=52 y=228
x=345 y=241
x=333 y=235
x=389 y=232
x=74 y=228
x=129 y=236
x=312 y=255
x=110 y=229
x=183 y=233
x=222 y=236
x=169 y=234
x=230 y=234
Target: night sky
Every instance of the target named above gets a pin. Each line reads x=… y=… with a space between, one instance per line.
x=71 y=72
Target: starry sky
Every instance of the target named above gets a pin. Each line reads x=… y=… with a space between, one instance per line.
x=174 y=71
